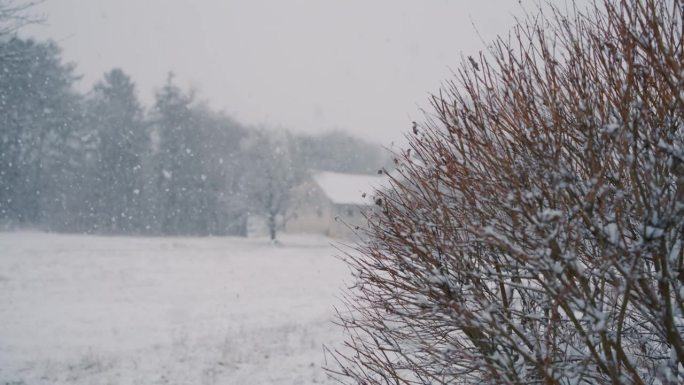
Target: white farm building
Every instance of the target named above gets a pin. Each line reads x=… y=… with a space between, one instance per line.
x=330 y=203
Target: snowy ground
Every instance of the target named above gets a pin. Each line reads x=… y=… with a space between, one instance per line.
x=108 y=310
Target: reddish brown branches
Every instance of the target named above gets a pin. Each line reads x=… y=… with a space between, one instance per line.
x=534 y=234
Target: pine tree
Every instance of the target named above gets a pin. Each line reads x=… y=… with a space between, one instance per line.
x=40 y=116
x=116 y=118
x=178 y=175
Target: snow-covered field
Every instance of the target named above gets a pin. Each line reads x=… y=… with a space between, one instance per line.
x=115 y=310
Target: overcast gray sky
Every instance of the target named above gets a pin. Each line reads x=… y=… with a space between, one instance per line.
x=365 y=66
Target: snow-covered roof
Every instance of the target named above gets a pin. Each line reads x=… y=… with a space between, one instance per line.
x=349 y=189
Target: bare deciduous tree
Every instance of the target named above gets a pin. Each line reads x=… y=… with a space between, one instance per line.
x=270 y=176
x=534 y=233
x=14 y=14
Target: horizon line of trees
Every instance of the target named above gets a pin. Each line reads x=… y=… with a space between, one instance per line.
x=101 y=162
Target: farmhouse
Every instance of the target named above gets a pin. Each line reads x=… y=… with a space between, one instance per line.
x=331 y=203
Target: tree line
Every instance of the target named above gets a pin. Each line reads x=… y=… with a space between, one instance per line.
x=102 y=162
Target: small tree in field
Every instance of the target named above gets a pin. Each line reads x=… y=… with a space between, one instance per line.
x=271 y=174
x=534 y=233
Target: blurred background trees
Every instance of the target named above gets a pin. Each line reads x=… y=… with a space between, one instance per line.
x=101 y=162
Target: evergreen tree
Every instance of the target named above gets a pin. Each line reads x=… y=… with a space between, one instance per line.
x=116 y=118
x=178 y=175
x=39 y=116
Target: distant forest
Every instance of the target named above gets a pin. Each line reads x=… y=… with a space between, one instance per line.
x=101 y=162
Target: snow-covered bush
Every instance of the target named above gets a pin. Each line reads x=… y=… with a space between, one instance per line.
x=534 y=231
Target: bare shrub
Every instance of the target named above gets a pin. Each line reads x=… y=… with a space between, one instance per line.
x=534 y=234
